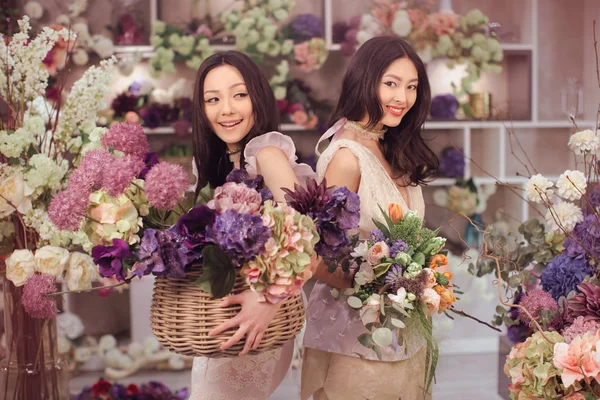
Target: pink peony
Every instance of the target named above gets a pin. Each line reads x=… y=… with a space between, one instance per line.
x=579 y=327
x=378 y=252
x=165 y=185
x=67 y=209
x=577 y=359
x=120 y=172
x=90 y=172
x=35 y=300
x=237 y=197
x=128 y=138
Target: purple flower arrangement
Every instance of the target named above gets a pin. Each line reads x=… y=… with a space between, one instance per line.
x=452 y=163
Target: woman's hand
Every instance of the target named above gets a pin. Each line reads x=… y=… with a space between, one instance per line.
x=252 y=320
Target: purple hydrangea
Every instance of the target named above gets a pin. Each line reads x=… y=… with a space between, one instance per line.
x=376 y=236
x=192 y=226
x=307 y=26
x=110 y=259
x=399 y=246
x=240 y=236
x=593 y=199
x=563 y=275
x=584 y=238
x=452 y=163
x=162 y=253
x=342 y=208
x=334 y=241
x=518 y=333
x=444 y=106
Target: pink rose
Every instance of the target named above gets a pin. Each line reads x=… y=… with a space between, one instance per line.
x=378 y=252
x=237 y=197
x=577 y=359
x=431 y=281
x=431 y=299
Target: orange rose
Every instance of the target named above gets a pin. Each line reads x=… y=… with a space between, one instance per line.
x=447 y=297
x=395 y=212
x=438 y=260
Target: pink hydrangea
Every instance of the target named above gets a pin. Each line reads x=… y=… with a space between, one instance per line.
x=35 y=300
x=120 y=172
x=67 y=209
x=579 y=327
x=90 y=172
x=128 y=138
x=165 y=185
x=237 y=197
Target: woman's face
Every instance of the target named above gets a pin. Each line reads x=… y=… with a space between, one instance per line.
x=397 y=91
x=227 y=105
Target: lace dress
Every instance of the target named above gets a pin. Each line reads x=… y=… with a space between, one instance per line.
x=331 y=368
x=252 y=377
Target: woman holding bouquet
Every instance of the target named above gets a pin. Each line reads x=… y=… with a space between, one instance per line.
x=377 y=151
x=235 y=119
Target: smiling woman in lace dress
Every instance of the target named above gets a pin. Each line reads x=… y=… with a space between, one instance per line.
x=234 y=125
x=377 y=151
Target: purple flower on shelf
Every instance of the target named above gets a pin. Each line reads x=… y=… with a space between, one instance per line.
x=240 y=236
x=452 y=163
x=444 y=106
x=162 y=253
x=306 y=26
x=584 y=238
x=158 y=391
x=564 y=274
x=150 y=160
x=110 y=259
x=118 y=392
x=398 y=247
x=124 y=103
x=192 y=226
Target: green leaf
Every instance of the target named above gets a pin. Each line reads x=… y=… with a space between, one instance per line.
x=387 y=218
x=398 y=323
x=377 y=351
x=382 y=228
x=366 y=339
x=217 y=271
x=383 y=337
x=355 y=302
x=419 y=258
x=500 y=310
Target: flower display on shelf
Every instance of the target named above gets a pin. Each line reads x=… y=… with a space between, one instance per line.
x=462 y=39
x=345 y=34
x=300 y=107
x=128 y=32
x=105 y=390
x=155 y=107
x=444 y=106
x=452 y=163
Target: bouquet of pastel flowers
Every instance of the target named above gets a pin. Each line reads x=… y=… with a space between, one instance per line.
x=396 y=282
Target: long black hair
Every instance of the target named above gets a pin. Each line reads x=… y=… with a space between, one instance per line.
x=403 y=146
x=212 y=162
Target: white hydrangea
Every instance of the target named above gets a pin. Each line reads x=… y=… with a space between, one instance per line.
x=401 y=24
x=563 y=215
x=44 y=173
x=80 y=57
x=584 y=142
x=42 y=108
x=14 y=143
x=538 y=189
x=571 y=185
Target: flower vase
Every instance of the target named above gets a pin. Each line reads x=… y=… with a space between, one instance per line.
x=32 y=368
x=472 y=235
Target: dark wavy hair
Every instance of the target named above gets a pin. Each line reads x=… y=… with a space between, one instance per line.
x=403 y=146
x=209 y=150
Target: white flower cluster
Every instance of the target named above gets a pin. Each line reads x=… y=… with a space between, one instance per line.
x=78 y=269
x=257 y=28
x=22 y=58
x=584 y=142
x=44 y=173
x=85 y=99
x=279 y=79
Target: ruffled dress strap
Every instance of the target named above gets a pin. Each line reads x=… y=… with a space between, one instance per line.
x=332 y=133
x=283 y=142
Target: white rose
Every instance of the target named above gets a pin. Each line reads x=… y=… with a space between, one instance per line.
x=538 y=188
x=14 y=192
x=563 y=216
x=69 y=325
x=34 y=10
x=80 y=57
x=81 y=272
x=585 y=141
x=280 y=92
x=571 y=185
x=51 y=260
x=107 y=342
x=83 y=354
x=401 y=25
x=20 y=266
x=135 y=350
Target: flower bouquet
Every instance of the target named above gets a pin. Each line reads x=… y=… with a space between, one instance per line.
x=105 y=390
x=239 y=239
x=396 y=283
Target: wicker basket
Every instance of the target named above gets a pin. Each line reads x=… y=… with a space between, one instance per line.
x=182 y=314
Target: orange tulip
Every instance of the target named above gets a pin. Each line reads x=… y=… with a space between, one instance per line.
x=395 y=212
x=438 y=260
x=447 y=297
x=448 y=276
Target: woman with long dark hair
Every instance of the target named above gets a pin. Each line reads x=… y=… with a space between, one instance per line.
x=377 y=151
x=234 y=121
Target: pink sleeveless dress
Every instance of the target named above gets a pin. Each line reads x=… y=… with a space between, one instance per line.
x=332 y=368
x=252 y=377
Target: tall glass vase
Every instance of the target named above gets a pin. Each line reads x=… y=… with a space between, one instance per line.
x=32 y=368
